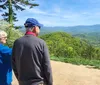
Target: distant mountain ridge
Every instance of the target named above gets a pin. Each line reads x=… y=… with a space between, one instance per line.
x=70 y=29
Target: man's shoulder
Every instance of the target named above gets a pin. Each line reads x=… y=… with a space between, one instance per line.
x=41 y=40
x=24 y=37
x=19 y=39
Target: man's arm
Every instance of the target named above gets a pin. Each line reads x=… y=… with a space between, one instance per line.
x=13 y=61
x=47 y=66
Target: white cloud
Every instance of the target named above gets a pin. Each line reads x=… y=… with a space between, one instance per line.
x=72 y=14
x=35 y=10
x=38 y=11
x=56 y=9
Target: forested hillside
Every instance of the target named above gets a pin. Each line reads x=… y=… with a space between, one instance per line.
x=62 y=44
x=93 y=37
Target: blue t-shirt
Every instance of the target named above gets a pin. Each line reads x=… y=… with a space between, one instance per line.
x=5 y=65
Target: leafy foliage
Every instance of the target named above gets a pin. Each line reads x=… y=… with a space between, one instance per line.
x=79 y=61
x=13 y=33
x=62 y=44
x=93 y=38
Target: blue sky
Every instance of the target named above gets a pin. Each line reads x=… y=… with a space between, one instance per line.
x=63 y=12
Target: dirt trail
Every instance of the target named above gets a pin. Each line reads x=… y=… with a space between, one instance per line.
x=68 y=74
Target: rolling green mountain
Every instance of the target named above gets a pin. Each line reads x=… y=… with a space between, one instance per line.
x=70 y=29
x=66 y=45
x=93 y=37
x=74 y=29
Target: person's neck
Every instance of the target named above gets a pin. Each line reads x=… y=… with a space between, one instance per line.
x=31 y=33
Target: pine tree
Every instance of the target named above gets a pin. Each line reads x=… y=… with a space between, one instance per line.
x=10 y=5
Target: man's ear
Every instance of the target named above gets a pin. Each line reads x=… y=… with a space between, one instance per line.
x=34 y=29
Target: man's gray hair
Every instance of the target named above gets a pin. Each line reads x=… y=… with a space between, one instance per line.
x=29 y=28
x=2 y=34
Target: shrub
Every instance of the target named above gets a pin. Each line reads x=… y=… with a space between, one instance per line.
x=13 y=33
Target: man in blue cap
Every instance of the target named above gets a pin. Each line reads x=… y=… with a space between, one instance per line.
x=30 y=57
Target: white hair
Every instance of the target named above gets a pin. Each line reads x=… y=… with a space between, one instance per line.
x=2 y=34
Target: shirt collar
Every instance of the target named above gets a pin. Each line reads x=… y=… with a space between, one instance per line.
x=30 y=33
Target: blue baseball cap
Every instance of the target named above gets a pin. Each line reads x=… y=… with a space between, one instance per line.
x=31 y=22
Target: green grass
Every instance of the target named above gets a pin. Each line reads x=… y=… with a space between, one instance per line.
x=78 y=61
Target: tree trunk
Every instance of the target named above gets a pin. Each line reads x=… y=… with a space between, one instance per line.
x=10 y=12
